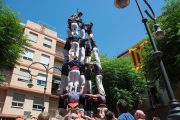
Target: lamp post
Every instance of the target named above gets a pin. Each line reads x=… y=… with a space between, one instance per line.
x=137 y=93
x=174 y=113
x=149 y=93
x=47 y=70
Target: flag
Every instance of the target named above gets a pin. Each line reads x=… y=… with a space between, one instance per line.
x=135 y=54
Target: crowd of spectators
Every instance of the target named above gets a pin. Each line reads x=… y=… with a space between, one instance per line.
x=122 y=109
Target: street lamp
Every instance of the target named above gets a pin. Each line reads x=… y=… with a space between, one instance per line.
x=174 y=113
x=47 y=70
x=30 y=85
x=159 y=33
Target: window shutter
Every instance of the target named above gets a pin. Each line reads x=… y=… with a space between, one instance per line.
x=18 y=97
x=45 y=59
x=33 y=36
x=56 y=70
x=38 y=101
x=47 y=41
x=53 y=106
x=60 y=52
x=29 y=54
x=41 y=77
x=24 y=74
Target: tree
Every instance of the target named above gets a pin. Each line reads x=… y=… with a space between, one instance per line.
x=13 y=42
x=118 y=81
x=169 y=45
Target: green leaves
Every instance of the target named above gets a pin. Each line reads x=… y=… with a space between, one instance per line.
x=12 y=38
x=169 y=45
x=118 y=81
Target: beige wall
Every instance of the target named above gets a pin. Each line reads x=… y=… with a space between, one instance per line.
x=34 y=26
x=37 y=58
x=16 y=82
x=28 y=103
x=3 y=93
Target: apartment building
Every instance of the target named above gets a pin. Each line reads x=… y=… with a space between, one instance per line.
x=16 y=98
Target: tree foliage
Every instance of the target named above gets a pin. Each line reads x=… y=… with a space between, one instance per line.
x=169 y=45
x=12 y=38
x=118 y=81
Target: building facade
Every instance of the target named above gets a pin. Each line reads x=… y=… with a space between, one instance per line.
x=16 y=98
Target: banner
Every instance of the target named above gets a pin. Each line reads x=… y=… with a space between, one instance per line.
x=135 y=54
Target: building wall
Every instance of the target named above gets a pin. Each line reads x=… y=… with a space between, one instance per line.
x=22 y=84
x=20 y=87
x=35 y=26
x=3 y=93
x=28 y=103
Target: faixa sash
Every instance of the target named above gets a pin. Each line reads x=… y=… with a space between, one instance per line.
x=75 y=68
x=102 y=104
x=73 y=103
x=99 y=72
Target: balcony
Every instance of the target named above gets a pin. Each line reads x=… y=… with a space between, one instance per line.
x=58 y=64
x=59 y=52
x=56 y=86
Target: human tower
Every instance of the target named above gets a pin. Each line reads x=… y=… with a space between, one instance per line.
x=78 y=69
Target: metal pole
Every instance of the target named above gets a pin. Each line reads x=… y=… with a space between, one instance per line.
x=174 y=113
x=151 y=101
x=47 y=70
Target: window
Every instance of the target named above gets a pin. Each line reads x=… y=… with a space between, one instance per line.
x=38 y=103
x=33 y=36
x=45 y=59
x=18 y=100
x=55 y=70
x=23 y=75
x=41 y=79
x=28 y=55
x=47 y=43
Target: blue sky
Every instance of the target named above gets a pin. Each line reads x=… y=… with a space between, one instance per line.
x=115 y=30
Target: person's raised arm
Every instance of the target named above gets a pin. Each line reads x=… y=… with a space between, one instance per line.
x=90 y=63
x=66 y=63
x=92 y=96
x=62 y=96
x=77 y=11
